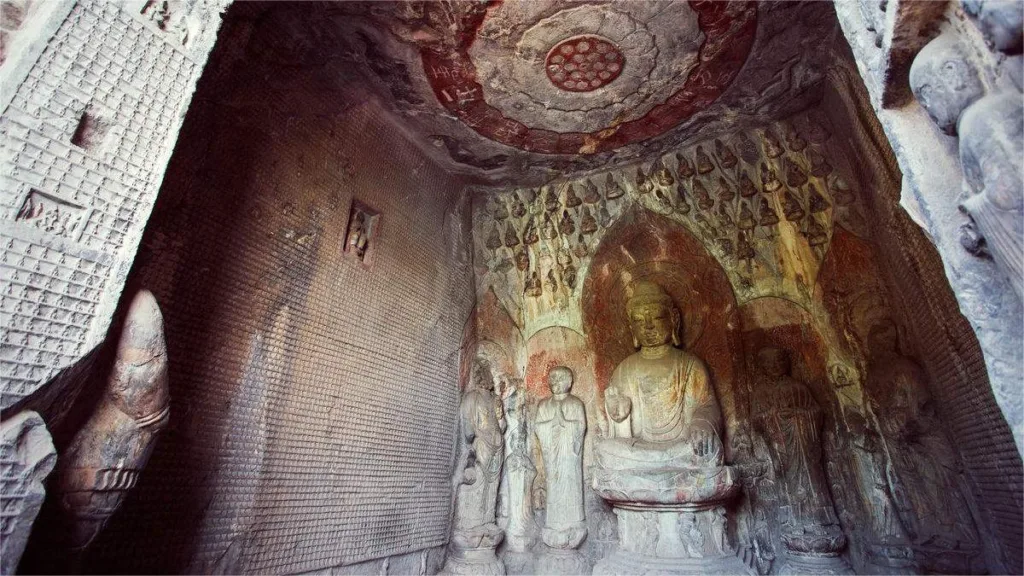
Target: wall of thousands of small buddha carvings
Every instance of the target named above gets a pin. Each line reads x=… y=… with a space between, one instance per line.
x=762 y=241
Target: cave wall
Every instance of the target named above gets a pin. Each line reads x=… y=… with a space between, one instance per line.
x=94 y=96
x=313 y=389
x=796 y=265
x=945 y=341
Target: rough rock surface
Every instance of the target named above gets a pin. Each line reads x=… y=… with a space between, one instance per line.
x=27 y=457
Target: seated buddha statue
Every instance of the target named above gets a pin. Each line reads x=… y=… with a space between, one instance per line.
x=660 y=403
x=660 y=466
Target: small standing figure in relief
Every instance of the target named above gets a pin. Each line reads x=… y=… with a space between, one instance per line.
x=561 y=424
x=922 y=469
x=476 y=534
x=704 y=164
x=358 y=235
x=533 y=287
x=107 y=455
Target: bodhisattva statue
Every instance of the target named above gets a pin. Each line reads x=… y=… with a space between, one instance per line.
x=561 y=424
x=661 y=466
x=517 y=481
x=888 y=549
x=475 y=533
x=790 y=419
x=922 y=471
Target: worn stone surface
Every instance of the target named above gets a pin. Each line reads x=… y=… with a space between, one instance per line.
x=945 y=81
x=553 y=266
x=27 y=457
x=1001 y=21
x=95 y=95
x=949 y=297
x=107 y=455
x=660 y=463
x=991 y=148
x=478 y=471
x=937 y=520
x=278 y=458
x=791 y=420
x=560 y=424
x=515 y=506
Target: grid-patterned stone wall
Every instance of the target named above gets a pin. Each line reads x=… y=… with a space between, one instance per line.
x=314 y=394
x=943 y=338
x=89 y=118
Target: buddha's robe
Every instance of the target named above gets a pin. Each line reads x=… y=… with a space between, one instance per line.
x=670 y=396
x=561 y=426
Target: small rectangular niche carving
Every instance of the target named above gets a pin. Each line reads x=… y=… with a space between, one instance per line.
x=91 y=131
x=362 y=229
x=51 y=214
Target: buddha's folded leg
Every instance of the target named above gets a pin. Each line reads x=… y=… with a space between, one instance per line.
x=635 y=454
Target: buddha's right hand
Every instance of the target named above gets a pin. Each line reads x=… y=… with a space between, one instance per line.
x=705 y=442
x=618 y=406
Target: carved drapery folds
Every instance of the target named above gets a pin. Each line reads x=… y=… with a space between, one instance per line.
x=921 y=468
x=791 y=421
x=475 y=533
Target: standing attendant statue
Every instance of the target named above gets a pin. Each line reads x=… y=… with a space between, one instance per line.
x=922 y=471
x=517 y=481
x=790 y=419
x=561 y=425
x=476 y=534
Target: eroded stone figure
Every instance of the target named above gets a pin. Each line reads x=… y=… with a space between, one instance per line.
x=517 y=481
x=790 y=419
x=357 y=240
x=106 y=456
x=475 y=533
x=888 y=551
x=922 y=471
x=660 y=466
x=27 y=457
x=561 y=424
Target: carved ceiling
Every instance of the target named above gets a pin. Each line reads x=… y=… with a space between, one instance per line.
x=527 y=91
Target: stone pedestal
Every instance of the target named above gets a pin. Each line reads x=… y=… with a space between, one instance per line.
x=472 y=552
x=671 y=539
x=557 y=562
x=670 y=521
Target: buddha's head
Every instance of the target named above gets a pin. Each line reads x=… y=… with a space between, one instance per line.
x=883 y=337
x=774 y=361
x=560 y=380
x=653 y=318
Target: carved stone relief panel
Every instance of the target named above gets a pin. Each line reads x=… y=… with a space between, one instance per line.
x=763 y=202
x=760 y=239
x=362 y=229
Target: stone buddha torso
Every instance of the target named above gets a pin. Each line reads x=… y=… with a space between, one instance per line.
x=662 y=409
x=667 y=394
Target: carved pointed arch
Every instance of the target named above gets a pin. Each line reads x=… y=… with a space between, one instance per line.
x=646 y=245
